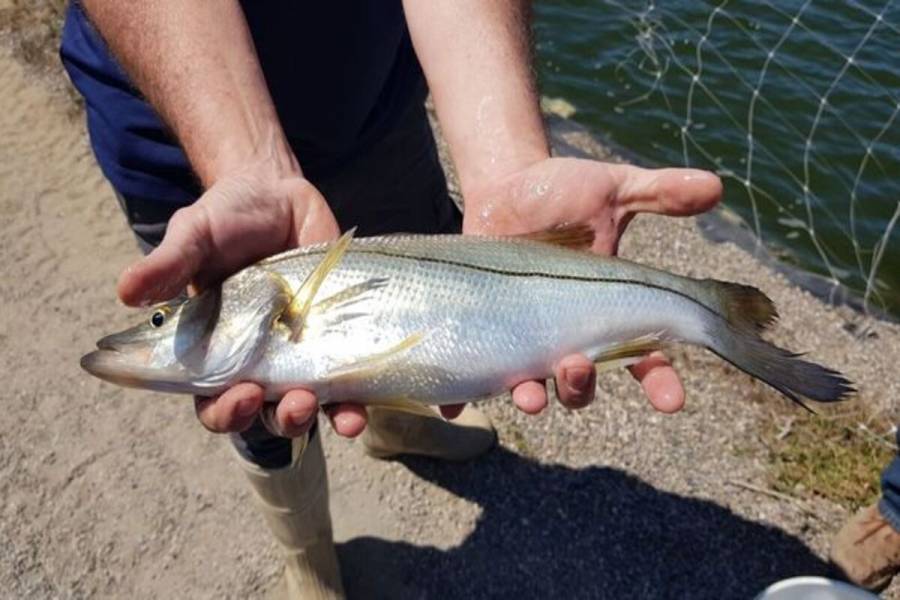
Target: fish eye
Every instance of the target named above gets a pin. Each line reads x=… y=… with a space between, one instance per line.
x=158 y=318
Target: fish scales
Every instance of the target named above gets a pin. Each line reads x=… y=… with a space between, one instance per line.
x=475 y=305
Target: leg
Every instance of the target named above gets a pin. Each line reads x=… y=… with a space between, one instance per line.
x=867 y=548
x=294 y=502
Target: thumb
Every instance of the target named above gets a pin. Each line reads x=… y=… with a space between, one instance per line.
x=166 y=272
x=673 y=192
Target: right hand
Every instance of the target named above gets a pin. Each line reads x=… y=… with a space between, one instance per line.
x=239 y=220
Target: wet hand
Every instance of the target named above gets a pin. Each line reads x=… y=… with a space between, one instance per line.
x=240 y=219
x=606 y=196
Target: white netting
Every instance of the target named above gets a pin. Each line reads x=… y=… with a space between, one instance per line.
x=795 y=104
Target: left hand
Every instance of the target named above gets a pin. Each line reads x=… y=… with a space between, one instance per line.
x=606 y=196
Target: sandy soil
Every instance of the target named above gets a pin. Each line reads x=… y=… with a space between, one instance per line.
x=111 y=493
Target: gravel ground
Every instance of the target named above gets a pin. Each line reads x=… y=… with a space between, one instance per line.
x=114 y=493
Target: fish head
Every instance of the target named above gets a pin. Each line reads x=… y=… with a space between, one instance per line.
x=200 y=345
x=156 y=353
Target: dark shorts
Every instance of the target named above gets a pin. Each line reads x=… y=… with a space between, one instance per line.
x=396 y=186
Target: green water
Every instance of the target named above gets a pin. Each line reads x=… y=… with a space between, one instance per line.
x=795 y=104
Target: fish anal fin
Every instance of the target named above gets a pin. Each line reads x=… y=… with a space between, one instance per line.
x=578 y=236
x=404 y=405
x=629 y=352
x=295 y=313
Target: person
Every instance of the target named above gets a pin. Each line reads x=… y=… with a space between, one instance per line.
x=233 y=130
x=866 y=550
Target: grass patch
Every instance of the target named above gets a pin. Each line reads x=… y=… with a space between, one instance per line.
x=838 y=455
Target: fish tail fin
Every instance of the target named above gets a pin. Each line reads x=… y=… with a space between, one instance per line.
x=734 y=336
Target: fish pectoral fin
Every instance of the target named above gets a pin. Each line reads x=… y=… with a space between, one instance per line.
x=372 y=364
x=295 y=313
x=629 y=352
x=578 y=236
x=349 y=296
x=406 y=406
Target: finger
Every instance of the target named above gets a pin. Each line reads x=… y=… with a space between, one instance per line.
x=660 y=383
x=233 y=411
x=314 y=221
x=165 y=272
x=451 y=411
x=530 y=397
x=674 y=192
x=346 y=418
x=295 y=413
x=576 y=381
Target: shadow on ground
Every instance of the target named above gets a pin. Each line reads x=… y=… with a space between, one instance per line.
x=555 y=532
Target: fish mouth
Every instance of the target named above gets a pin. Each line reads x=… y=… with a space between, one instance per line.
x=115 y=342
x=111 y=364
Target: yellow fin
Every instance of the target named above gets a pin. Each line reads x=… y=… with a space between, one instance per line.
x=578 y=236
x=295 y=314
x=404 y=405
x=629 y=352
x=349 y=295
x=370 y=365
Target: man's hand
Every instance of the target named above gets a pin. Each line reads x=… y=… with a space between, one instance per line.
x=242 y=218
x=606 y=196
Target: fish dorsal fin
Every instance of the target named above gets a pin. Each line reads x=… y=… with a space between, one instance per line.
x=295 y=313
x=578 y=236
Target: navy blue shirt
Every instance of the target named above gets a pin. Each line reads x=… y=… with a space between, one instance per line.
x=340 y=74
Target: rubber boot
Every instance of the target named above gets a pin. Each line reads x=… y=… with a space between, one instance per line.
x=393 y=432
x=294 y=502
x=867 y=550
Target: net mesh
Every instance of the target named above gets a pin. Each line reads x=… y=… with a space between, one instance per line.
x=795 y=105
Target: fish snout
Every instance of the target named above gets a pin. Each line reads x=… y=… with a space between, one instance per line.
x=115 y=342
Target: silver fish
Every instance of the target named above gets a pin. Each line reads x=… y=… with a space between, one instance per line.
x=442 y=319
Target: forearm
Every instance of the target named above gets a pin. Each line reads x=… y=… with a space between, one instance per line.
x=476 y=57
x=196 y=64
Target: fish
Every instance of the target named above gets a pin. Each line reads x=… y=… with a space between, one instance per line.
x=441 y=319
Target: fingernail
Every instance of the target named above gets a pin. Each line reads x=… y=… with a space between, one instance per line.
x=246 y=407
x=577 y=379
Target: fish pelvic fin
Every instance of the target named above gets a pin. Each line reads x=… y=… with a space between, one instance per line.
x=295 y=314
x=371 y=365
x=577 y=236
x=735 y=336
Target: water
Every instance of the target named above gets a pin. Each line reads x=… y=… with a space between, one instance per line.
x=794 y=104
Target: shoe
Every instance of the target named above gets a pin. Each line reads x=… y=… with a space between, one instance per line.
x=393 y=432
x=867 y=550
x=294 y=502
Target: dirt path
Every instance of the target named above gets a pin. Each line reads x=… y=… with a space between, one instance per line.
x=106 y=493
